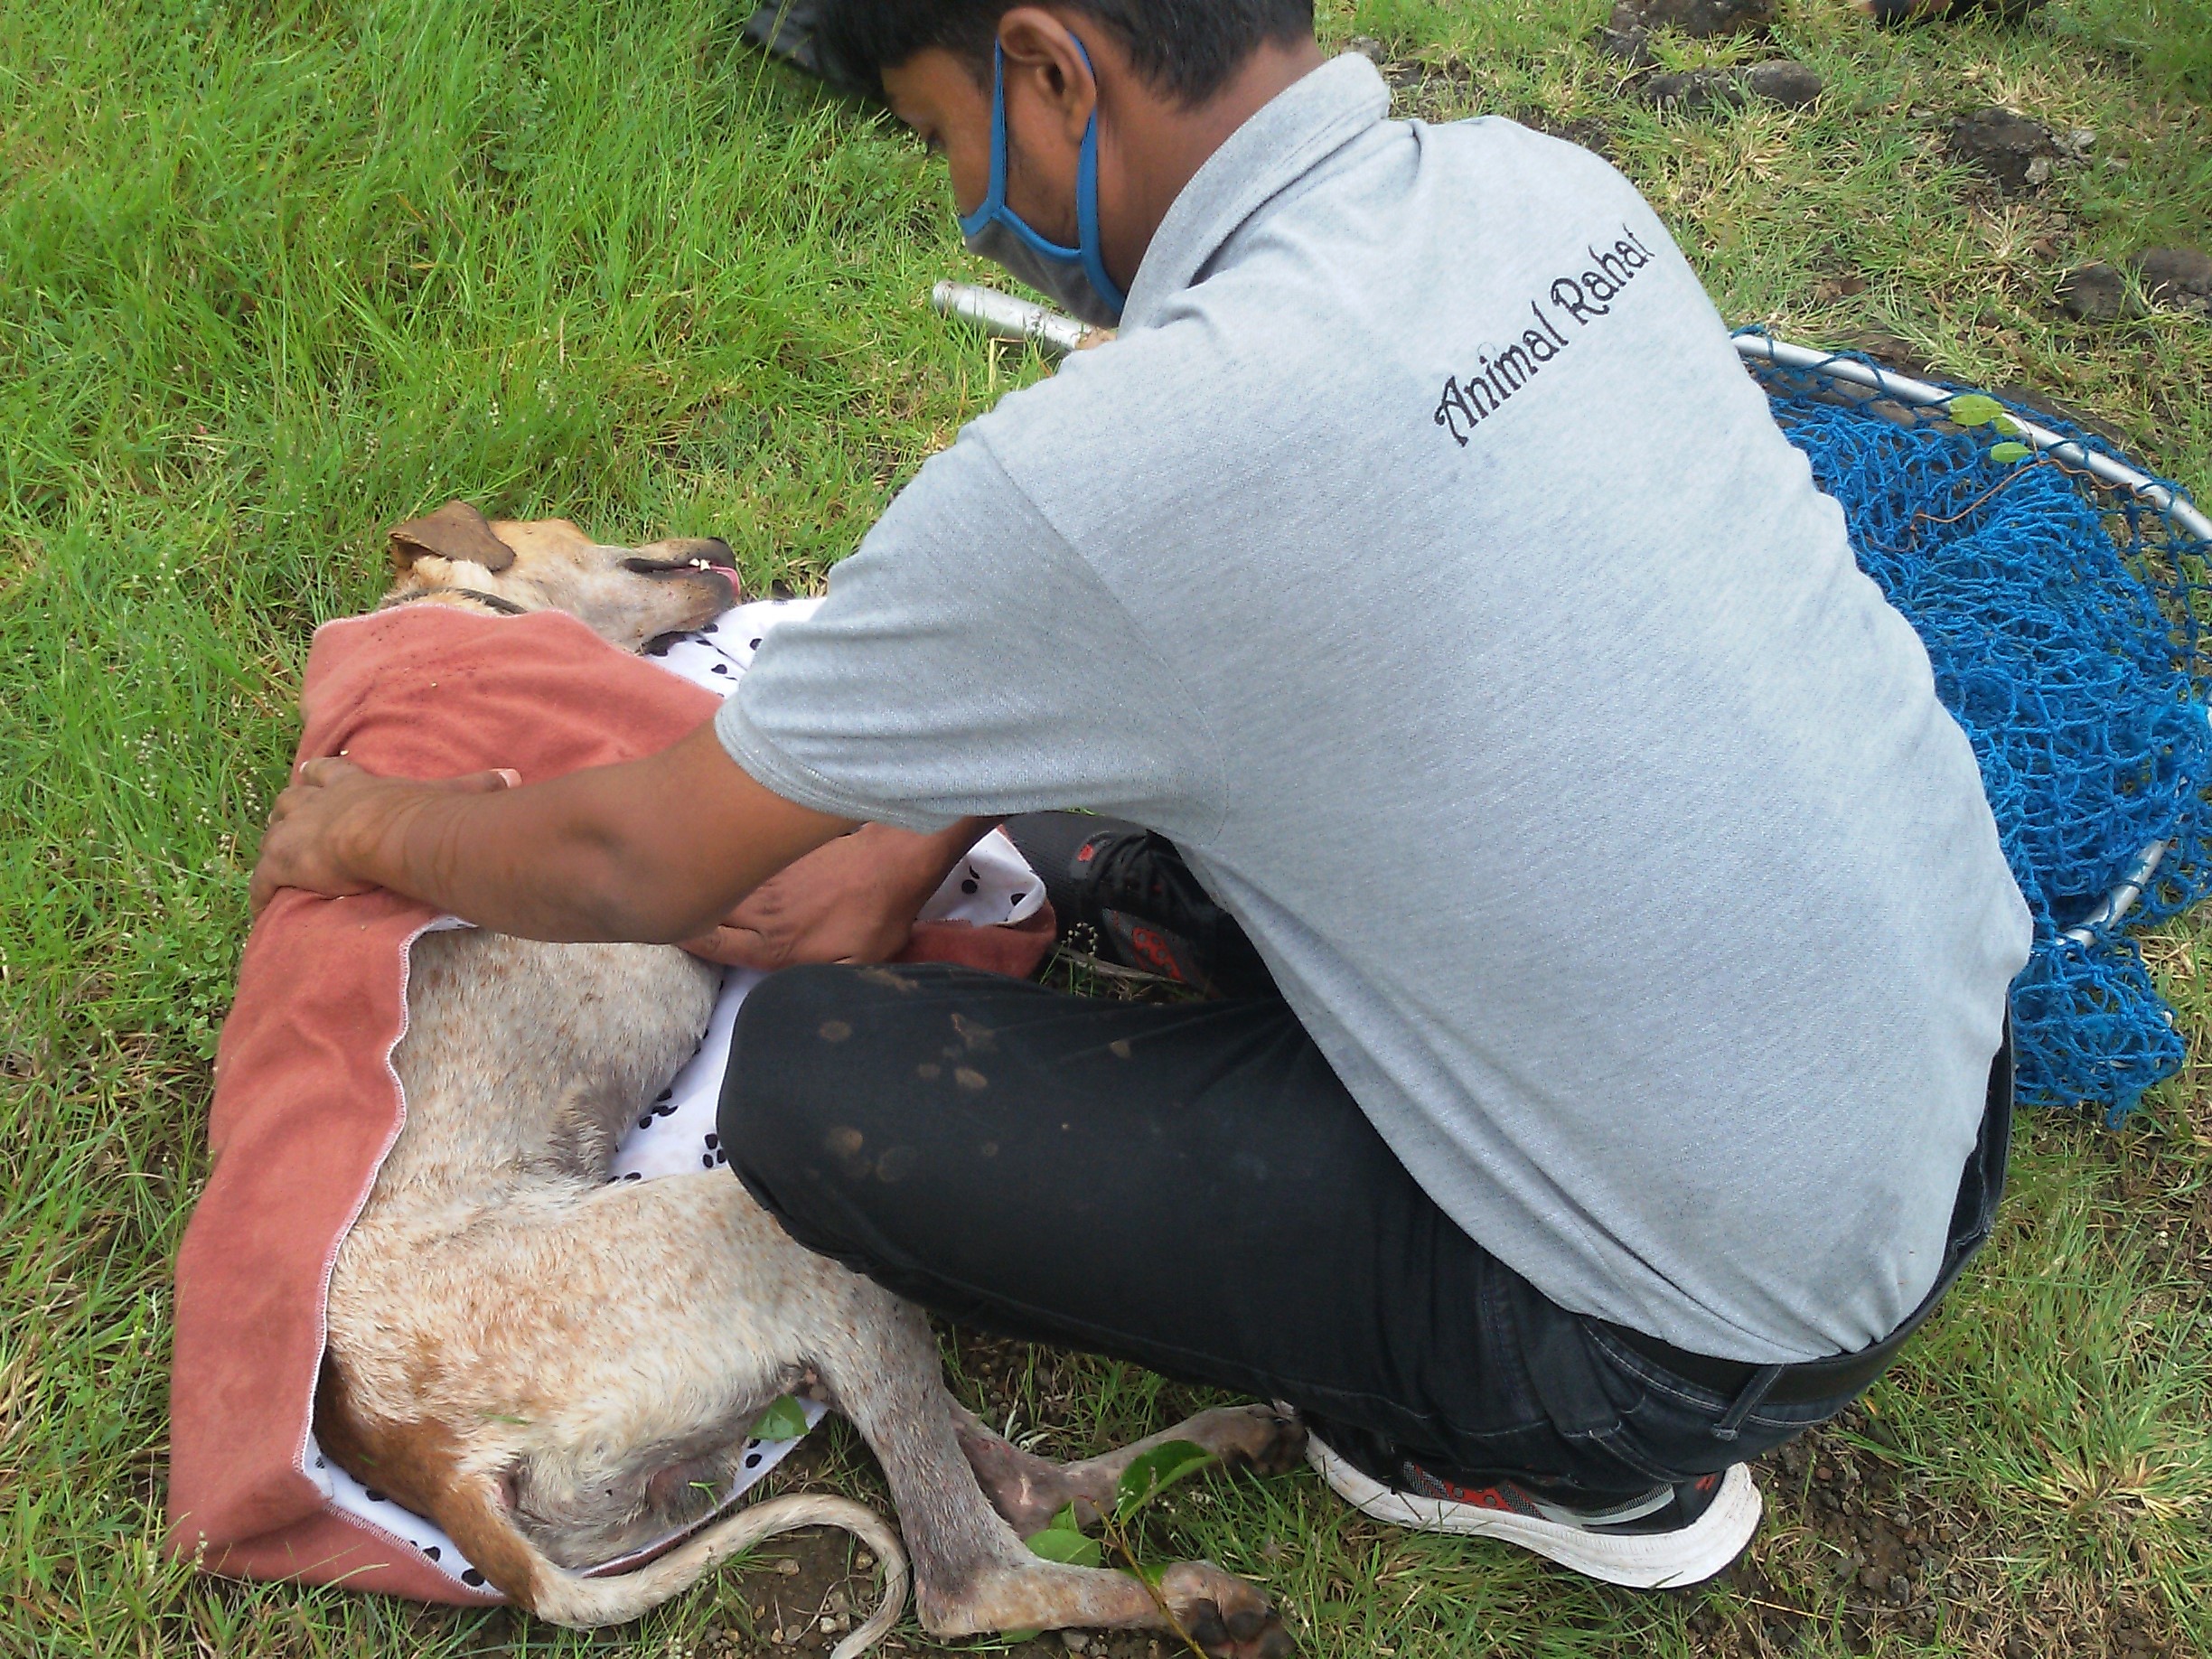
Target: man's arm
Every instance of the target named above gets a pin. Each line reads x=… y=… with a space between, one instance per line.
x=854 y=900
x=654 y=850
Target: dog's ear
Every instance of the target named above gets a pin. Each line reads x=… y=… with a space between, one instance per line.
x=456 y=531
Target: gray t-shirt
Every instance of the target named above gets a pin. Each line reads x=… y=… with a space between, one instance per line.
x=1424 y=563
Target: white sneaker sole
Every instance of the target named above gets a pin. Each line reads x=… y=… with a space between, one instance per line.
x=1649 y=1560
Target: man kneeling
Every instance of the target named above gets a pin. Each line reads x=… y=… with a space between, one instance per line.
x=1485 y=686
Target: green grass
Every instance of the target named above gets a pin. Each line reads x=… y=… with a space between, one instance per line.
x=275 y=276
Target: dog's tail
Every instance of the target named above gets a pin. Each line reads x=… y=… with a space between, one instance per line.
x=480 y=1525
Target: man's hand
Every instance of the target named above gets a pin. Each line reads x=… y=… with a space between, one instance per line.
x=322 y=827
x=650 y=851
x=853 y=900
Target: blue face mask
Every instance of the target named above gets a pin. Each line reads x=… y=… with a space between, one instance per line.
x=1074 y=277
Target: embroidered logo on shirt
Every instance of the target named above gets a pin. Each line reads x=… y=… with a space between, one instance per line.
x=1577 y=299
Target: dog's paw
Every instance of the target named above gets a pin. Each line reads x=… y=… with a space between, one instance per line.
x=1266 y=1439
x=1228 y=1618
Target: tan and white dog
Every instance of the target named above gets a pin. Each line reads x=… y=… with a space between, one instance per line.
x=560 y=1372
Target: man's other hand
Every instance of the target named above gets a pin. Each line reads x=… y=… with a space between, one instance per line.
x=319 y=825
x=853 y=900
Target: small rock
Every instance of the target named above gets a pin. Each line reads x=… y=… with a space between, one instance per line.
x=1074 y=1641
x=788 y=1567
x=2093 y=294
x=2005 y=146
x=1692 y=90
x=2176 y=276
x=864 y=1560
x=1784 y=82
x=1872 y=1579
x=1700 y=19
x=1631 y=46
x=1900 y=1587
x=1369 y=48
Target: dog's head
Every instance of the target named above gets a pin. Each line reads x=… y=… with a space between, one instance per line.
x=629 y=595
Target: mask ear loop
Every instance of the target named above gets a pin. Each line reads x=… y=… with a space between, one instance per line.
x=994 y=199
x=994 y=205
x=1086 y=212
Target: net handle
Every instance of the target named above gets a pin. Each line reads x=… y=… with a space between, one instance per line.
x=1004 y=317
x=1906 y=390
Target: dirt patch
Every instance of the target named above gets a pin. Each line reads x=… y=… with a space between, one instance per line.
x=1699 y=19
x=2180 y=276
x=779 y=1607
x=1627 y=31
x=1783 y=81
x=2017 y=153
x=2093 y=293
x=1855 y=1547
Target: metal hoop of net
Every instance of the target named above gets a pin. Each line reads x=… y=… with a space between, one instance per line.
x=2061 y=594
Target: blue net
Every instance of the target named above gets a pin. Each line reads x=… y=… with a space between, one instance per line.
x=2063 y=619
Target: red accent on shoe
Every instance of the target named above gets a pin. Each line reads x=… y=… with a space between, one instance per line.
x=1156 y=951
x=1488 y=1497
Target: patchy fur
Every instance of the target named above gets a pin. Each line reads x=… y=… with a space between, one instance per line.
x=559 y=1371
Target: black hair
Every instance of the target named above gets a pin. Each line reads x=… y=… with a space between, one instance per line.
x=1188 y=49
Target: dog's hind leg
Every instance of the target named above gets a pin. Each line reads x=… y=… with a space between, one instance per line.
x=1029 y=1490
x=972 y=1572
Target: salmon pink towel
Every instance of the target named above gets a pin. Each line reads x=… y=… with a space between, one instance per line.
x=307 y=1103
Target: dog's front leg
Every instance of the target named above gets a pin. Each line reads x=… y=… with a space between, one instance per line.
x=1029 y=1490
x=972 y=1574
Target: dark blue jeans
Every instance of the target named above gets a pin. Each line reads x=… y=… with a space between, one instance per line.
x=1191 y=1188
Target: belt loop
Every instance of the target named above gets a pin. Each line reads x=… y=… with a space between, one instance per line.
x=1747 y=1400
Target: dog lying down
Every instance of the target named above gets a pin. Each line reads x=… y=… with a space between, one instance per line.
x=561 y=1372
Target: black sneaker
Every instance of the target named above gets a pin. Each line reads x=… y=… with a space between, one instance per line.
x=1664 y=1538
x=1124 y=893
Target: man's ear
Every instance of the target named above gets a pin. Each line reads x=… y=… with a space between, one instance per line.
x=1037 y=44
x=456 y=531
